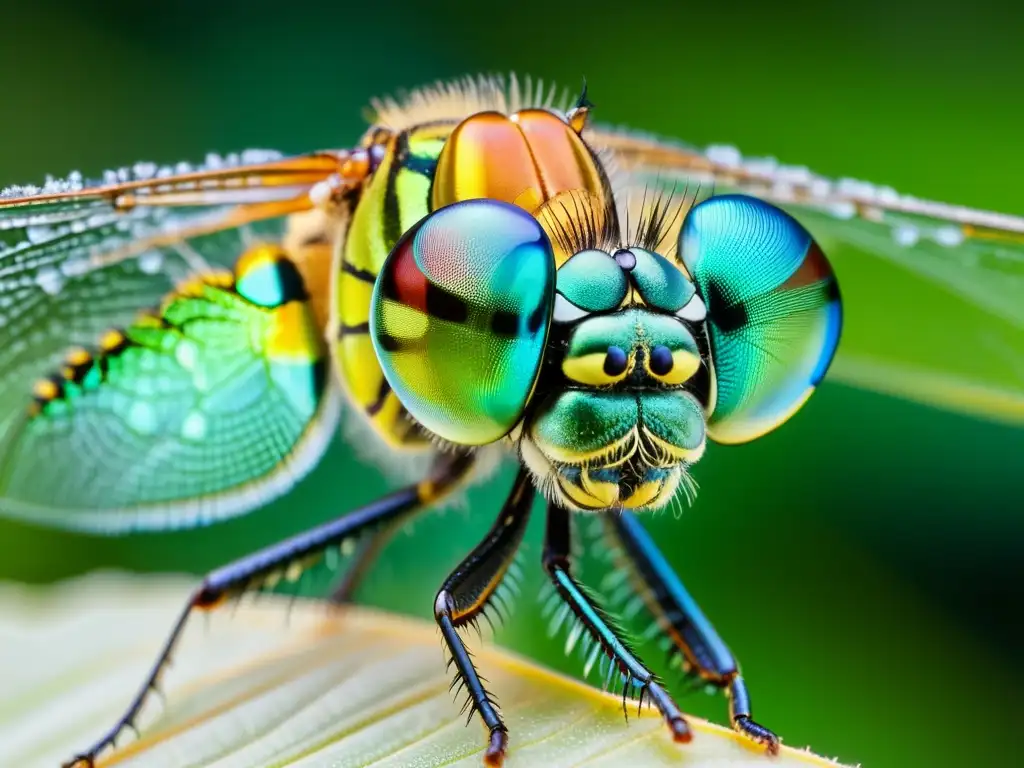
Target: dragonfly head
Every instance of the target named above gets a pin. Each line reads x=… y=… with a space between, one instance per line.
x=608 y=364
x=620 y=410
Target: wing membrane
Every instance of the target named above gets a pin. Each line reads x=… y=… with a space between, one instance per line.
x=77 y=260
x=932 y=292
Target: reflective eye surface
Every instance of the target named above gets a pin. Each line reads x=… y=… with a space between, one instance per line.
x=773 y=311
x=460 y=315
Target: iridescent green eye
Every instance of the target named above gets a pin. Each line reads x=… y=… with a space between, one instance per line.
x=773 y=311
x=460 y=316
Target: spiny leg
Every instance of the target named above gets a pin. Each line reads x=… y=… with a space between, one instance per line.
x=367 y=551
x=594 y=620
x=301 y=550
x=465 y=595
x=366 y=554
x=684 y=623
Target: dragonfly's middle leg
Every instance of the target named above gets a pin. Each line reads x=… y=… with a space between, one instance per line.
x=635 y=674
x=685 y=625
x=464 y=596
x=368 y=549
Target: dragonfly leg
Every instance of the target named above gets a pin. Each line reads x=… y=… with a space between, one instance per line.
x=686 y=626
x=366 y=554
x=464 y=596
x=596 y=622
x=301 y=550
x=368 y=549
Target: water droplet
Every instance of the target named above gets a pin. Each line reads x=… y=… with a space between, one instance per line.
x=50 y=280
x=821 y=188
x=843 y=210
x=906 y=235
x=949 y=236
x=144 y=171
x=151 y=262
x=253 y=156
x=75 y=267
x=40 y=234
x=724 y=155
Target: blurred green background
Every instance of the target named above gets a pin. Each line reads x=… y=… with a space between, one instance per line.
x=863 y=562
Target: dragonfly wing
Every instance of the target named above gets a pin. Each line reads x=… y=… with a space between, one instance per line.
x=142 y=389
x=931 y=292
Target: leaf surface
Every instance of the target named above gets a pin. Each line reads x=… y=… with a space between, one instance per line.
x=348 y=688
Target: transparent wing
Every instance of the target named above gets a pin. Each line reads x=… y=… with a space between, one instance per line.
x=933 y=294
x=191 y=412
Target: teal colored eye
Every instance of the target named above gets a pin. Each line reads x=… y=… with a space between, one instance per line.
x=460 y=316
x=773 y=311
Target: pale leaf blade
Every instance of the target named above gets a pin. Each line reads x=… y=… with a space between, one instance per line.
x=352 y=689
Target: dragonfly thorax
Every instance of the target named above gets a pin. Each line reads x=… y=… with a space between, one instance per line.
x=530 y=157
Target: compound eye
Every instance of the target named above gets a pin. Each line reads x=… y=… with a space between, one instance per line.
x=460 y=316
x=773 y=311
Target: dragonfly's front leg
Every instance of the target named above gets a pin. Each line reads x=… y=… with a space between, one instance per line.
x=686 y=626
x=635 y=674
x=464 y=596
x=252 y=572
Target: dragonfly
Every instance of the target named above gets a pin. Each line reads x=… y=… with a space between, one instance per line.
x=487 y=271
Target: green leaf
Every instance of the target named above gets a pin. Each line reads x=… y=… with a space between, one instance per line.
x=349 y=688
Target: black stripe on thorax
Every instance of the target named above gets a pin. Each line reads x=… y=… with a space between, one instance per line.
x=358 y=329
x=382 y=395
x=364 y=275
x=404 y=159
x=392 y=224
x=424 y=165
